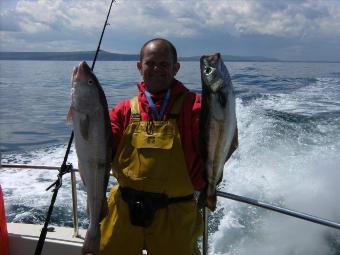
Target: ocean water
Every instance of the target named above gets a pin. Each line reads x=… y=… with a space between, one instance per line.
x=289 y=146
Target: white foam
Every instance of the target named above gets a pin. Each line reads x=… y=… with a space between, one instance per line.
x=25 y=188
x=284 y=171
x=318 y=97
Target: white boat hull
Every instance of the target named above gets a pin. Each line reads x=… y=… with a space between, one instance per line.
x=23 y=240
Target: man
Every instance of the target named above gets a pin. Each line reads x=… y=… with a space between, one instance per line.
x=157 y=163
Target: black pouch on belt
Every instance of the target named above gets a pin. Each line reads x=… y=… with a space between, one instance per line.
x=143 y=205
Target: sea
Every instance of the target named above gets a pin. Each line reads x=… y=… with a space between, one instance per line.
x=288 y=117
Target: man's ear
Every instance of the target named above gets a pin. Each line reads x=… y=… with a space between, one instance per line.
x=139 y=67
x=176 y=68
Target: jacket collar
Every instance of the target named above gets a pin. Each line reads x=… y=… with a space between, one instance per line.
x=177 y=88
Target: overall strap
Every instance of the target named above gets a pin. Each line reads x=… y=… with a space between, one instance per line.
x=176 y=108
x=135 y=113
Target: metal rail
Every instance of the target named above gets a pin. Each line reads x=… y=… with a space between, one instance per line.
x=275 y=208
x=251 y=201
x=33 y=167
x=238 y=198
x=74 y=204
x=73 y=187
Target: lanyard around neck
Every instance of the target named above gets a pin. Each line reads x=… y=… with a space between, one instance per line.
x=158 y=114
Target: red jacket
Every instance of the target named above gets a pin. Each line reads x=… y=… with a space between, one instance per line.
x=188 y=124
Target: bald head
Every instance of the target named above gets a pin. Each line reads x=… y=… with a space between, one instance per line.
x=161 y=44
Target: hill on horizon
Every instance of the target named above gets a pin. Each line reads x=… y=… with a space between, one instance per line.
x=108 y=56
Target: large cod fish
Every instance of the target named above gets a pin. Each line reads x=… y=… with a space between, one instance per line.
x=218 y=127
x=93 y=142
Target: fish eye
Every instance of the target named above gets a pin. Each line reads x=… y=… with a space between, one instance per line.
x=208 y=70
x=90 y=82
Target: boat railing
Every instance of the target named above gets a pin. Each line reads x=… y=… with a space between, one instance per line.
x=247 y=200
x=73 y=188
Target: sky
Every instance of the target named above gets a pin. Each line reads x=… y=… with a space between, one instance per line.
x=285 y=29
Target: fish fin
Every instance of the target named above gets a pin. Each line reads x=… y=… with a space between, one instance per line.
x=105 y=209
x=81 y=173
x=84 y=127
x=234 y=144
x=69 y=115
x=92 y=242
x=83 y=180
x=222 y=99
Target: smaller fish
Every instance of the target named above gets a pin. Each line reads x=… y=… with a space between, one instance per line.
x=218 y=126
x=93 y=141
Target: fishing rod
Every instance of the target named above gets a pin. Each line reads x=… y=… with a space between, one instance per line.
x=247 y=200
x=101 y=37
x=65 y=168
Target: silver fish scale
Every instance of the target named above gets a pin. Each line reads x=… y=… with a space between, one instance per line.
x=218 y=119
x=93 y=142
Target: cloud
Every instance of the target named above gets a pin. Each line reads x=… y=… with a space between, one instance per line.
x=239 y=17
x=290 y=18
x=44 y=15
x=189 y=22
x=7 y=23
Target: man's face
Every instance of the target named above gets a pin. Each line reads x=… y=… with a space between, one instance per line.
x=157 y=67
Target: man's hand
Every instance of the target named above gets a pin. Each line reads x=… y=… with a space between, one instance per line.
x=207 y=201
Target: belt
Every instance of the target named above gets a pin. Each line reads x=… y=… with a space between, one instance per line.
x=143 y=205
x=160 y=199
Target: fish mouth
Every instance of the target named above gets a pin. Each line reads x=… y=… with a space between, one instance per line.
x=211 y=75
x=80 y=71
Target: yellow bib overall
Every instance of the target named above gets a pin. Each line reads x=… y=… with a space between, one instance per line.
x=150 y=158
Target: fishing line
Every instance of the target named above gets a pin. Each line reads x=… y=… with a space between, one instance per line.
x=65 y=168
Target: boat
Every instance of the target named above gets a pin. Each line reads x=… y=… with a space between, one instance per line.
x=23 y=238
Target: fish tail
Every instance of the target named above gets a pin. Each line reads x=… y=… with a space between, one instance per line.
x=92 y=242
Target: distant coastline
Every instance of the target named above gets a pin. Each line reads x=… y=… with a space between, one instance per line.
x=108 y=56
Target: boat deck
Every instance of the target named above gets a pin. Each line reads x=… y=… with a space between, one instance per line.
x=23 y=240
